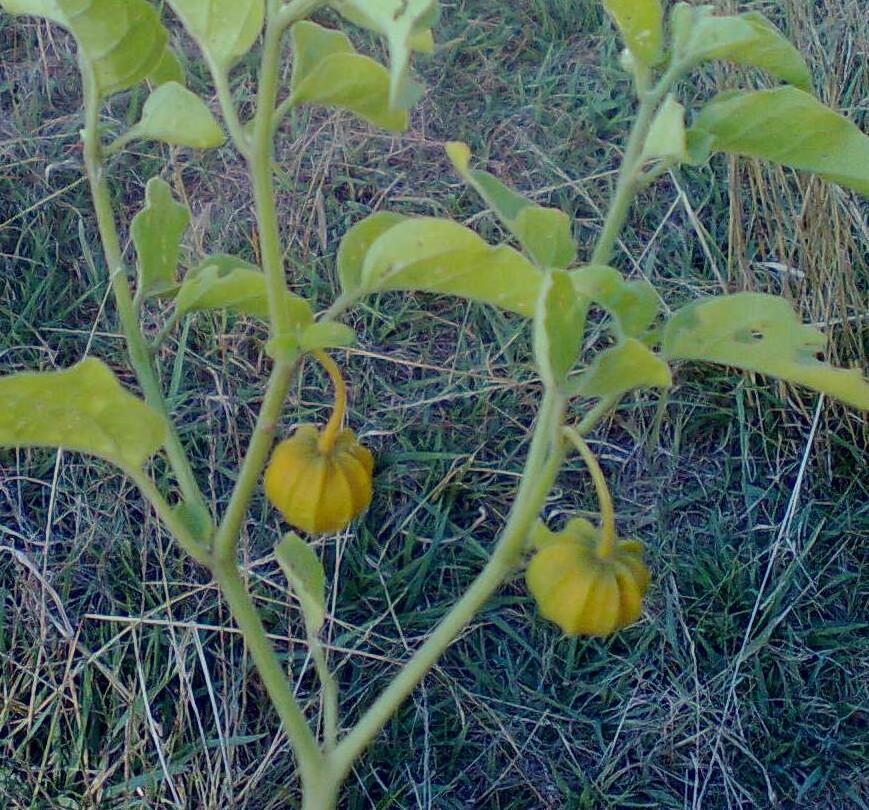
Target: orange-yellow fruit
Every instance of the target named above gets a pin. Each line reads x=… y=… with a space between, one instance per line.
x=319 y=490
x=583 y=592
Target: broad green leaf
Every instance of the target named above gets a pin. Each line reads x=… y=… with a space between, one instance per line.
x=120 y=42
x=666 y=138
x=227 y=282
x=355 y=244
x=621 y=368
x=306 y=577
x=169 y=69
x=405 y=24
x=762 y=333
x=175 y=115
x=558 y=327
x=437 y=255
x=156 y=230
x=326 y=335
x=641 y=23
x=327 y=70
x=81 y=408
x=749 y=39
x=633 y=304
x=224 y=29
x=790 y=127
x=543 y=232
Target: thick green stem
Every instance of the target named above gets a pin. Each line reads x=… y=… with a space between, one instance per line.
x=544 y=460
x=140 y=356
x=629 y=174
x=308 y=755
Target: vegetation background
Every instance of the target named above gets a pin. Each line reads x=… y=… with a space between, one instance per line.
x=122 y=680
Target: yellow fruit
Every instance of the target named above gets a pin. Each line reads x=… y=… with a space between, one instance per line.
x=319 y=488
x=584 y=591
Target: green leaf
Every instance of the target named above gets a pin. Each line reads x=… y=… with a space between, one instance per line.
x=173 y=114
x=404 y=24
x=326 y=335
x=355 y=244
x=558 y=328
x=306 y=577
x=81 y=408
x=227 y=282
x=224 y=29
x=621 y=368
x=196 y=518
x=169 y=69
x=436 y=255
x=327 y=70
x=121 y=42
x=156 y=230
x=666 y=138
x=790 y=127
x=543 y=232
x=749 y=39
x=641 y=23
x=762 y=333
x=633 y=304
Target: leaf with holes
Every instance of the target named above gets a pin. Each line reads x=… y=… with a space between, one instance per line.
x=81 y=408
x=758 y=332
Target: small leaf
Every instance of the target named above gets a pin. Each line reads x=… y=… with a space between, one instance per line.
x=762 y=333
x=617 y=370
x=197 y=519
x=355 y=244
x=666 y=138
x=749 y=39
x=81 y=408
x=634 y=304
x=306 y=577
x=790 y=127
x=175 y=115
x=223 y=29
x=227 y=282
x=543 y=232
x=437 y=255
x=156 y=232
x=558 y=328
x=326 y=335
x=169 y=69
x=641 y=23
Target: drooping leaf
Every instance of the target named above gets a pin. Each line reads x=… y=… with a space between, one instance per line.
x=327 y=70
x=326 y=335
x=748 y=39
x=633 y=304
x=120 y=42
x=227 y=282
x=81 y=408
x=173 y=114
x=156 y=230
x=617 y=370
x=666 y=138
x=304 y=572
x=437 y=255
x=558 y=327
x=223 y=29
x=169 y=69
x=641 y=23
x=762 y=333
x=790 y=127
x=543 y=232
x=405 y=24
x=355 y=244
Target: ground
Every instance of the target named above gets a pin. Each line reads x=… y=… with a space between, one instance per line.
x=744 y=685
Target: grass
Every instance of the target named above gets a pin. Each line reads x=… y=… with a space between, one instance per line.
x=123 y=681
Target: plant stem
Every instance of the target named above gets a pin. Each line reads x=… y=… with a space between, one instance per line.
x=626 y=186
x=330 y=691
x=333 y=426
x=308 y=755
x=607 y=544
x=140 y=357
x=544 y=461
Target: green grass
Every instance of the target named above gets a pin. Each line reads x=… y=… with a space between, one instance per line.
x=745 y=683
